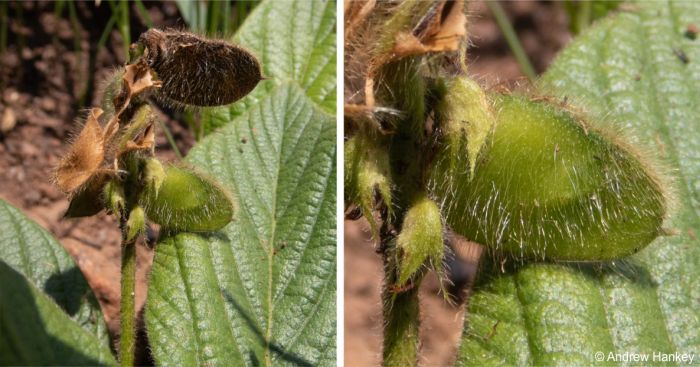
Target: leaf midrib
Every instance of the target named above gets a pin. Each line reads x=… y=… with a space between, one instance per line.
x=274 y=215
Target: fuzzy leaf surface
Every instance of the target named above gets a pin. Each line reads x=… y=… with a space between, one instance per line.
x=34 y=330
x=47 y=309
x=295 y=43
x=261 y=291
x=627 y=71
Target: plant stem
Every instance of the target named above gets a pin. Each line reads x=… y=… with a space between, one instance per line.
x=226 y=17
x=509 y=33
x=144 y=13
x=127 y=339
x=124 y=26
x=401 y=319
x=170 y=138
x=583 y=19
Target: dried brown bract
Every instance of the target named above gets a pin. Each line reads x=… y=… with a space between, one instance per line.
x=85 y=156
x=87 y=159
x=197 y=71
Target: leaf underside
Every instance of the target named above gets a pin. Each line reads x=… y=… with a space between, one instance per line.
x=261 y=291
x=48 y=314
x=629 y=71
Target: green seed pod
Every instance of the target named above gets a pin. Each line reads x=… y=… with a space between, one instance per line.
x=548 y=185
x=420 y=241
x=187 y=201
x=113 y=196
x=136 y=224
x=197 y=71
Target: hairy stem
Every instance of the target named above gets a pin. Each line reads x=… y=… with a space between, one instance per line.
x=401 y=324
x=405 y=91
x=127 y=339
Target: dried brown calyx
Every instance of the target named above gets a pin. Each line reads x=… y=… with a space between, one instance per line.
x=93 y=155
x=197 y=71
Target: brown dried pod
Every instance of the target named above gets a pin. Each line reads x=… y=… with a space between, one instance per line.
x=197 y=71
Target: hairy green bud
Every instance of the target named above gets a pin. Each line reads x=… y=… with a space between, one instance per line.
x=420 y=242
x=466 y=118
x=187 y=201
x=548 y=185
x=367 y=173
x=114 y=198
x=153 y=175
x=136 y=224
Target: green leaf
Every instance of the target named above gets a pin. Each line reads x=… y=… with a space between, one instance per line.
x=34 y=253
x=262 y=290
x=625 y=69
x=295 y=43
x=195 y=13
x=34 y=330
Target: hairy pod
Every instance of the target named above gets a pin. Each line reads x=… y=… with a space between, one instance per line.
x=420 y=242
x=197 y=71
x=548 y=185
x=186 y=201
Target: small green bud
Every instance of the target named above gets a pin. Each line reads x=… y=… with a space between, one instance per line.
x=113 y=194
x=136 y=224
x=420 y=241
x=466 y=118
x=153 y=175
x=367 y=172
x=187 y=201
x=549 y=185
x=110 y=90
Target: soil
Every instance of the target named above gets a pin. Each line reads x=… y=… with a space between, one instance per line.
x=543 y=30
x=50 y=72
